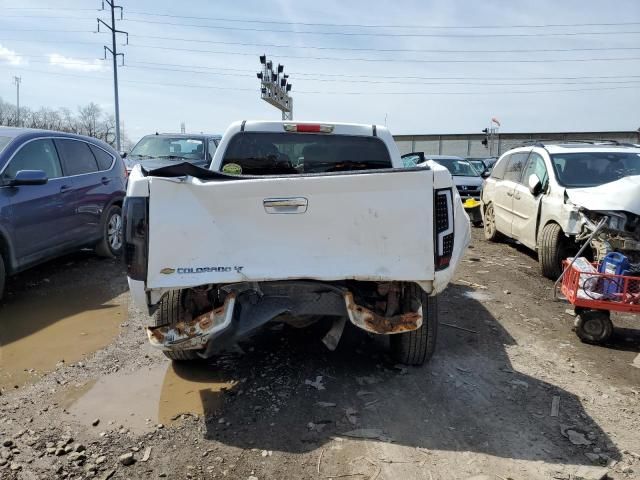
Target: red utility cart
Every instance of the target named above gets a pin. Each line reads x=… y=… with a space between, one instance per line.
x=595 y=295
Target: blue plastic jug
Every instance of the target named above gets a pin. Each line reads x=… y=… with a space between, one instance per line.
x=614 y=263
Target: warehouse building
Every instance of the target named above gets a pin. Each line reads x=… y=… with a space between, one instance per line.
x=470 y=145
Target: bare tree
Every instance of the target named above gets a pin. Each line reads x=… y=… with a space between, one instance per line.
x=68 y=122
x=89 y=116
x=90 y=120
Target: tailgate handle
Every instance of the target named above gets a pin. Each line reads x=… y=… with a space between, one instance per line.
x=285 y=205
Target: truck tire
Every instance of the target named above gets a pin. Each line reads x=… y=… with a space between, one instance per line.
x=169 y=313
x=3 y=276
x=417 y=346
x=491 y=233
x=593 y=326
x=551 y=250
x=110 y=245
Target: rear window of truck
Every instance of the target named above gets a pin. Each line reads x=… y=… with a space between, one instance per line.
x=266 y=153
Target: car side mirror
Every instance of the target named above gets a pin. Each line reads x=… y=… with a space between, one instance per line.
x=535 y=185
x=29 y=177
x=123 y=154
x=485 y=174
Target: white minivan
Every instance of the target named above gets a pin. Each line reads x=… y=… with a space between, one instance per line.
x=551 y=197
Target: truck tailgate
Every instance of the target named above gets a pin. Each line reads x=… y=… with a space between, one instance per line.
x=362 y=226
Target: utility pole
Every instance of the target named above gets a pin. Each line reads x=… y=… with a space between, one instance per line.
x=114 y=56
x=17 y=81
x=490 y=136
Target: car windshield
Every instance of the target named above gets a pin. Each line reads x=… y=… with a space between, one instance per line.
x=590 y=169
x=263 y=153
x=4 y=141
x=458 y=167
x=478 y=165
x=163 y=146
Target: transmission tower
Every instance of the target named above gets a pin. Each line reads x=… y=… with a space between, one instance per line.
x=114 y=56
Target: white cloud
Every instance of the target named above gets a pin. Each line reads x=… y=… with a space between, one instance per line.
x=75 y=64
x=10 y=56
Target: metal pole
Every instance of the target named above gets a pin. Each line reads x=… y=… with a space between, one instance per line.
x=114 y=54
x=115 y=73
x=17 y=81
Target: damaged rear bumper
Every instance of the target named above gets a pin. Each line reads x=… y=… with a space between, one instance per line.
x=196 y=333
x=226 y=324
x=372 y=322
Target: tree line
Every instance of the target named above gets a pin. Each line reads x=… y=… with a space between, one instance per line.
x=89 y=120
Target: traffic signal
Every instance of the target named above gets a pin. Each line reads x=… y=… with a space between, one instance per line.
x=485 y=140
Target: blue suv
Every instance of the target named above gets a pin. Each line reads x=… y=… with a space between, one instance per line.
x=59 y=192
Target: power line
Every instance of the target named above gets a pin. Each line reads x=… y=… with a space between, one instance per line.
x=47 y=56
x=47 y=17
x=479 y=93
x=430 y=81
x=393 y=60
x=360 y=25
x=225 y=87
x=313 y=47
x=617 y=80
x=45 y=30
x=343 y=75
x=342 y=25
x=390 y=50
x=492 y=35
x=335 y=77
x=378 y=82
x=52 y=8
x=28 y=40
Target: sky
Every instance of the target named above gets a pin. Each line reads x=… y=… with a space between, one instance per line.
x=420 y=66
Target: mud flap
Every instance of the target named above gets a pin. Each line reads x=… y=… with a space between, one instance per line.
x=332 y=338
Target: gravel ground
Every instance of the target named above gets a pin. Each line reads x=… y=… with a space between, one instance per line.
x=282 y=406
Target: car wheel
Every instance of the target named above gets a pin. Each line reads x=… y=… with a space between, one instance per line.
x=417 y=347
x=593 y=326
x=3 y=276
x=170 y=313
x=552 y=250
x=491 y=233
x=111 y=243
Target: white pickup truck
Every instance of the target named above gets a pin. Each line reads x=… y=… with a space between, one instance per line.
x=294 y=222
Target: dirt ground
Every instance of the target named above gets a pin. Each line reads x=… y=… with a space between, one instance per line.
x=80 y=388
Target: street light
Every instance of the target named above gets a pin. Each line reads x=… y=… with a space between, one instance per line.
x=275 y=87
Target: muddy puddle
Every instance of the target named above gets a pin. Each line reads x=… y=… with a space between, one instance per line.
x=139 y=400
x=40 y=327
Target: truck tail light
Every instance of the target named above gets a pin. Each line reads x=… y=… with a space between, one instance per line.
x=308 y=128
x=444 y=227
x=136 y=234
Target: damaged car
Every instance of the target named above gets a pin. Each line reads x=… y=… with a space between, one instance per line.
x=552 y=198
x=344 y=234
